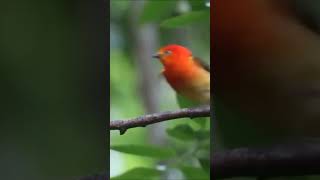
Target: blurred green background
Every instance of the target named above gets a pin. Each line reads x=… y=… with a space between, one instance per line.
x=53 y=100
x=137 y=30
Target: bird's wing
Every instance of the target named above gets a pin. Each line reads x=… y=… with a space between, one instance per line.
x=206 y=67
x=202 y=63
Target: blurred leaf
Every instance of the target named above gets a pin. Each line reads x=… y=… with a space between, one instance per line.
x=185 y=103
x=186 y=19
x=202 y=134
x=155 y=10
x=138 y=173
x=125 y=101
x=205 y=164
x=205 y=144
x=197 y=4
x=193 y=173
x=201 y=121
x=185 y=132
x=144 y=150
x=182 y=132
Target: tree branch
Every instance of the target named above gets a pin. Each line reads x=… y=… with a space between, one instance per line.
x=280 y=160
x=142 y=121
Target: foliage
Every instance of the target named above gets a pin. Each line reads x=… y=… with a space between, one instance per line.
x=138 y=173
x=188 y=142
x=186 y=19
x=143 y=150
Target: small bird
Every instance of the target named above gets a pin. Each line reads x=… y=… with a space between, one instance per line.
x=186 y=74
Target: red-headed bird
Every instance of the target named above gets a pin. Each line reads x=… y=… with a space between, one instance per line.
x=187 y=75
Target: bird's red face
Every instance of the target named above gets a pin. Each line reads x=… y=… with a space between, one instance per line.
x=173 y=54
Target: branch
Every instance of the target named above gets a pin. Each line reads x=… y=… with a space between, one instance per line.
x=280 y=160
x=142 y=121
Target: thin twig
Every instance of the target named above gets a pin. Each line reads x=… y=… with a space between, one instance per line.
x=281 y=160
x=142 y=121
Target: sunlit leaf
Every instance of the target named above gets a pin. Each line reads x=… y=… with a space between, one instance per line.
x=144 y=150
x=186 y=19
x=140 y=173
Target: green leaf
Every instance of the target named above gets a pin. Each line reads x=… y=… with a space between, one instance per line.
x=185 y=132
x=202 y=134
x=198 y=4
x=205 y=144
x=192 y=173
x=186 y=19
x=205 y=164
x=185 y=103
x=138 y=173
x=201 y=121
x=182 y=132
x=155 y=10
x=144 y=150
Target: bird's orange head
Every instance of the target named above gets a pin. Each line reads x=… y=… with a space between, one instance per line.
x=172 y=55
x=184 y=73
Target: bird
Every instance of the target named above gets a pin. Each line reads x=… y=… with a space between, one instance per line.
x=189 y=76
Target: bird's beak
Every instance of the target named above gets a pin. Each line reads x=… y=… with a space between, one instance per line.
x=157 y=56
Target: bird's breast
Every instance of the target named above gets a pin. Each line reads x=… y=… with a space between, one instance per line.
x=194 y=83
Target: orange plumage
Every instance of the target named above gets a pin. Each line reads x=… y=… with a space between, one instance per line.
x=185 y=74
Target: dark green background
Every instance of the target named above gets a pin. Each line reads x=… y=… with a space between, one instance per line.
x=52 y=89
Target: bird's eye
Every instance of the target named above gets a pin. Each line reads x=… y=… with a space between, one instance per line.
x=167 y=52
